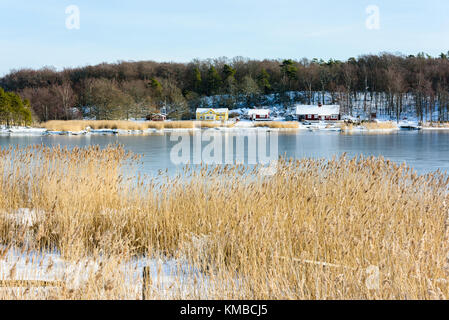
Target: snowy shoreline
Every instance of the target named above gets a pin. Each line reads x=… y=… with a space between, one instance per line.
x=30 y=131
x=435 y=128
x=239 y=126
x=230 y=126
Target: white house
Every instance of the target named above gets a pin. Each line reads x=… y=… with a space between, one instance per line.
x=259 y=114
x=318 y=112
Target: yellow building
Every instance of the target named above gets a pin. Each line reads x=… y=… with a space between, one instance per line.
x=209 y=114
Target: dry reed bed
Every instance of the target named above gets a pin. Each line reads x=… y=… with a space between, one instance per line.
x=311 y=231
x=388 y=125
x=277 y=124
x=444 y=125
x=81 y=125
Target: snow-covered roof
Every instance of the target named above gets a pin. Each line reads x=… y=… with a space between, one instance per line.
x=324 y=110
x=263 y=112
x=204 y=110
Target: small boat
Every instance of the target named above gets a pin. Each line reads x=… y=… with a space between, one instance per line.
x=409 y=125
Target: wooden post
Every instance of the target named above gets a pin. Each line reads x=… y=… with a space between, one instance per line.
x=146 y=280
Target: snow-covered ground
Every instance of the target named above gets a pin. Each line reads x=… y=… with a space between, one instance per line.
x=22 y=130
x=362 y=104
x=17 y=131
x=229 y=126
x=233 y=125
x=169 y=278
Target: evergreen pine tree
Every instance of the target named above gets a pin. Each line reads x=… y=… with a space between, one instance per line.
x=263 y=80
x=197 y=80
x=228 y=72
x=213 y=81
x=4 y=106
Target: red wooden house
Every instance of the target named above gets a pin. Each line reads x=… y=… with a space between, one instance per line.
x=259 y=114
x=318 y=112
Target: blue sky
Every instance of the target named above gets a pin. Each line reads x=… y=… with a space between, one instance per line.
x=34 y=34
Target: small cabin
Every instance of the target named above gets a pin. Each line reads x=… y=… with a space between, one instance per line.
x=259 y=114
x=211 y=114
x=157 y=117
x=318 y=112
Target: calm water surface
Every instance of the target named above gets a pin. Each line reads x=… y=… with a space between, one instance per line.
x=425 y=151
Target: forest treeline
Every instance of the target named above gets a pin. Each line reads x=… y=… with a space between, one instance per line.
x=385 y=83
x=14 y=110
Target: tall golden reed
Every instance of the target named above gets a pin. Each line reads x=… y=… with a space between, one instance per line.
x=80 y=125
x=388 y=125
x=277 y=124
x=314 y=230
x=438 y=124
